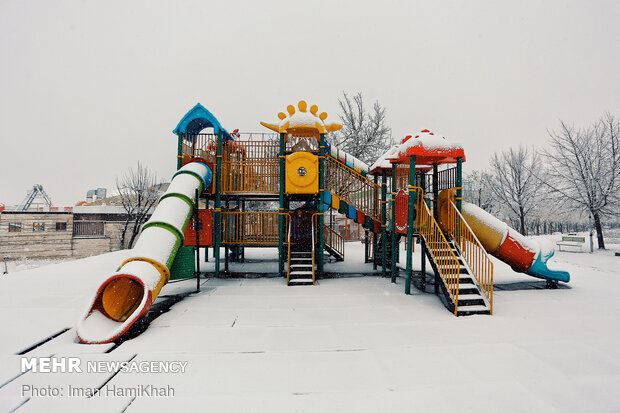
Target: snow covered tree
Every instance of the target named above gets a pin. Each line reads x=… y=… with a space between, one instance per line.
x=138 y=192
x=583 y=169
x=364 y=134
x=476 y=190
x=513 y=182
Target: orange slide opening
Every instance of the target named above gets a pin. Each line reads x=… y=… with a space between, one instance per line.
x=121 y=297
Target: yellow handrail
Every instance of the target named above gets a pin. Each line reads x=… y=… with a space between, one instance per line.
x=472 y=251
x=438 y=246
x=353 y=187
x=334 y=240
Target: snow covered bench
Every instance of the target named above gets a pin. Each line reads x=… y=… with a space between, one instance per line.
x=571 y=241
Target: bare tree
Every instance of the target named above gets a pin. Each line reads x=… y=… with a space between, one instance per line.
x=513 y=182
x=138 y=193
x=583 y=169
x=476 y=190
x=364 y=134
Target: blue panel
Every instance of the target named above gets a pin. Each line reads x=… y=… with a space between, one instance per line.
x=327 y=197
x=352 y=212
x=197 y=119
x=349 y=164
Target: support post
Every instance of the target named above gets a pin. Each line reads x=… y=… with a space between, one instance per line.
x=435 y=190
x=321 y=201
x=179 y=151
x=218 y=202
x=281 y=210
x=422 y=243
x=384 y=222
x=412 y=194
x=459 y=183
x=374 y=237
x=197 y=229
x=227 y=248
x=393 y=224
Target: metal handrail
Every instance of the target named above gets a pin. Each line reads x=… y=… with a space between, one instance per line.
x=334 y=240
x=472 y=251
x=437 y=244
x=353 y=187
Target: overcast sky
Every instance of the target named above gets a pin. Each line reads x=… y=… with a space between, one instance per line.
x=88 y=88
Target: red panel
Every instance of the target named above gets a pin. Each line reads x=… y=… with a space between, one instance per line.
x=376 y=227
x=205 y=229
x=360 y=217
x=402 y=209
x=514 y=254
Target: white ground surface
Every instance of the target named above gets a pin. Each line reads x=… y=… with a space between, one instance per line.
x=346 y=345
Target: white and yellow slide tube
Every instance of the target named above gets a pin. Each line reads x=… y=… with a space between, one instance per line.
x=127 y=295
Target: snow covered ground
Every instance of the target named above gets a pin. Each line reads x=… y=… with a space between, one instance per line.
x=348 y=344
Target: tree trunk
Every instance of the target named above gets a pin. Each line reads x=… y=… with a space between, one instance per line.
x=599 y=231
x=522 y=219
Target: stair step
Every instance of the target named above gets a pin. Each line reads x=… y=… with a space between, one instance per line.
x=300 y=281
x=302 y=273
x=473 y=309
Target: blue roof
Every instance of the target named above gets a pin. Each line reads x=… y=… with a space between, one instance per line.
x=197 y=119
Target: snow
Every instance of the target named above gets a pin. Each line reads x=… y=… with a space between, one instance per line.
x=173 y=211
x=429 y=141
x=338 y=154
x=199 y=168
x=473 y=211
x=356 y=344
x=155 y=243
x=184 y=184
x=383 y=162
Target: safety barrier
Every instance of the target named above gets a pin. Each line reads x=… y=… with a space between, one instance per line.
x=201 y=145
x=251 y=167
x=472 y=250
x=447 y=264
x=250 y=228
x=351 y=186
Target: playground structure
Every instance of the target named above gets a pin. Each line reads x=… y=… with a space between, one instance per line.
x=298 y=168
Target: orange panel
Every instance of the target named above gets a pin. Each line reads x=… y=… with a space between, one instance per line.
x=205 y=229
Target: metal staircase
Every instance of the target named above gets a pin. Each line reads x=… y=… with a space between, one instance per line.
x=450 y=256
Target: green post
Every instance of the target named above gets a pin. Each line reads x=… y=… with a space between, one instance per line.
x=218 y=201
x=422 y=244
x=375 y=259
x=281 y=210
x=412 y=194
x=459 y=183
x=435 y=190
x=179 y=151
x=393 y=224
x=320 y=203
x=384 y=222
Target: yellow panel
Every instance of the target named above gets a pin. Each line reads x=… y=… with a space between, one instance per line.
x=302 y=173
x=335 y=202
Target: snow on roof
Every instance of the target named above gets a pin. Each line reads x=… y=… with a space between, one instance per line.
x=345 y=157
x=426 y=146
x=302 y=120
x=384 y=160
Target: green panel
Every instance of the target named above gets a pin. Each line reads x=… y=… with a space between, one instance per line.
x=184 y=264
x=343 y=208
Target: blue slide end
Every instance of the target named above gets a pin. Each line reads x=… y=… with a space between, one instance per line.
x=540 y=270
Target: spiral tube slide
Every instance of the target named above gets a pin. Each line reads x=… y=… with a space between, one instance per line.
x=127 y=295
x=498 y=239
